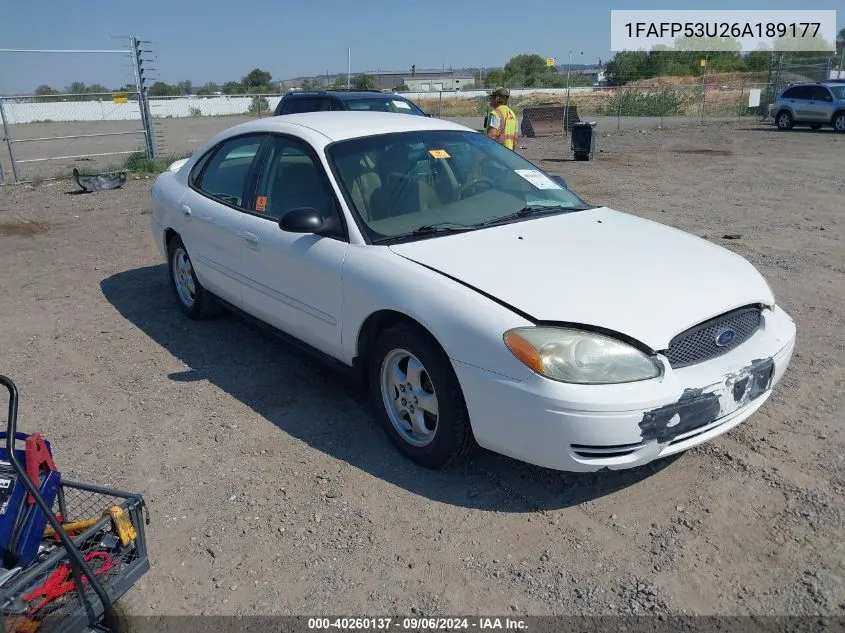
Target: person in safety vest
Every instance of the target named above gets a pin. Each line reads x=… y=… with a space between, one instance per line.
x=500 y=122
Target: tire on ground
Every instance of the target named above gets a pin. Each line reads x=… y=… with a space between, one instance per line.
x=204 y=306
x=453 y=439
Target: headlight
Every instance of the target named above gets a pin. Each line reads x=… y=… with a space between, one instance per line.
x=578 y=356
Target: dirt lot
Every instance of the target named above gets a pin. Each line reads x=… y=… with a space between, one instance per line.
x=272 y=490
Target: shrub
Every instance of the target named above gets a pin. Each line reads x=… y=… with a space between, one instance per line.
x=258 y=105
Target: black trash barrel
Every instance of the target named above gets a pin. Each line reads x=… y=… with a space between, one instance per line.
x=584 y=140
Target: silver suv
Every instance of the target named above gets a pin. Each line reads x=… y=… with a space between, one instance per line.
x=813 y=104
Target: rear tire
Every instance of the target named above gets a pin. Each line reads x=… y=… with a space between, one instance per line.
x=427 y=421
x=784 y=120
x=194 y=300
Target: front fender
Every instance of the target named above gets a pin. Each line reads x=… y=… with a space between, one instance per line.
x=468 y=325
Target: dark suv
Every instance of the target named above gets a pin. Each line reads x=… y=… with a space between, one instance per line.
x=316 y=100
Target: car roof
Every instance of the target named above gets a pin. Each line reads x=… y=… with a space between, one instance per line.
x=339 y=126
x=346 y=94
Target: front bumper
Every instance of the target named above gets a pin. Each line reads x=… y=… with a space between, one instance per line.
x=592 y=427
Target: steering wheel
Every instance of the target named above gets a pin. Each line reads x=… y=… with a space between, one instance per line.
x=480 y=184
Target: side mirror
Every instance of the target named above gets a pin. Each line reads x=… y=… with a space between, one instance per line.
x=559 y=180
x=302 y=220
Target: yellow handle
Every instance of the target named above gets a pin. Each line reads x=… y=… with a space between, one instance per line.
x=73 y=526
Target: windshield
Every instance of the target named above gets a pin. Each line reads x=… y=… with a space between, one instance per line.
x=838 y=91
x=400 y=182
x=384 y=105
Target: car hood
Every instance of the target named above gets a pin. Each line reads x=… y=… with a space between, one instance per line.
x=601 y=268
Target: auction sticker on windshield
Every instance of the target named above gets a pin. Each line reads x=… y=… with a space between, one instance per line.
x=539 y=180
x=439 y=153
x=402 y=104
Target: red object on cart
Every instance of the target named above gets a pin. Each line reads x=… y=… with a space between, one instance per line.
x=57 y=584
x=37 y=455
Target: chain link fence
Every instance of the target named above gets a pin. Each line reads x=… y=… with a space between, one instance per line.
x=48 y=136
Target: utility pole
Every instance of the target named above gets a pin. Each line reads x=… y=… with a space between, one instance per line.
x=566 y=112
x=349 y=67
x=840 y=74
x=143 y=102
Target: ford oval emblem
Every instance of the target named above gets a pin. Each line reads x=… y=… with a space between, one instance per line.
x=725 y=337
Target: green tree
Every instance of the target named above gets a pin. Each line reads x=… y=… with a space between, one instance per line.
x=185 y=87
x=339 y=82
x=840 y=41
x=308 y=84
x=402 y=87
x=234 y=88
x=362 y=82
x=526 y=70
x=161 y=89
x=627 y=66
x=494 y=78
x=44 y=90
x=208 y=89
x=758 y=60
x=256 y=78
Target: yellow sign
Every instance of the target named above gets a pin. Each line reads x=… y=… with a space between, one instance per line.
x=703 y=63
x=119 y=98
x=439 y=153
x=550 y=61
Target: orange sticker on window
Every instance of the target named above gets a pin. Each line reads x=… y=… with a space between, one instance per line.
x=261 y=203
x=439 y=153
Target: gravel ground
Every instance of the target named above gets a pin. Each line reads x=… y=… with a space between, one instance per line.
x=272 y=491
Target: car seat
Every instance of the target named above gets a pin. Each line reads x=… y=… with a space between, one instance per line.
x=400 y=193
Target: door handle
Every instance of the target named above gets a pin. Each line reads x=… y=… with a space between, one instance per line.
x=186 y=210
x=250 y=238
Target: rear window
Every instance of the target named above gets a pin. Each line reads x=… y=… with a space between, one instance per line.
x=384 y=105
x=838 y=91
x=304 y=104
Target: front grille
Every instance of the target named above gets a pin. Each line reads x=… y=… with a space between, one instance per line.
x=698 y=343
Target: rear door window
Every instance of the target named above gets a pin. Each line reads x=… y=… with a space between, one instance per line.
x=225 y=176
x=820 y=93
x=799 y=92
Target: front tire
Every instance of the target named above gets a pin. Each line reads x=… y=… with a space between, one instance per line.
x=417 y=397
x=784 y=120
x=194 y=301
x=839 y=122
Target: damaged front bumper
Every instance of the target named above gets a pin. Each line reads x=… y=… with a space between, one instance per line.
x=594 y=427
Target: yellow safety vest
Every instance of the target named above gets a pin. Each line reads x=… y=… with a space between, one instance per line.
x=506 y=132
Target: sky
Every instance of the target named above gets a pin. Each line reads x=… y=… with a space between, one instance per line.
x=221 y=40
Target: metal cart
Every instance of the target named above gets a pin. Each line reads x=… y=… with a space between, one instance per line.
x=80 y=572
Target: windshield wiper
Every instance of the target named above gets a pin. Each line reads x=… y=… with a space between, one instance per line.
x=428 y=229
x=524 y=212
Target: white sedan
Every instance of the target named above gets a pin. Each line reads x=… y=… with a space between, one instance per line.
x=480 y=300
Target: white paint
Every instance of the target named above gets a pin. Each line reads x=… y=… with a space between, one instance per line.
x=754 y=97
x=598 y=268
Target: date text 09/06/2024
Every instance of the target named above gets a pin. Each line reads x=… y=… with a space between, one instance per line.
x=722 y=29
x=417 y=624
